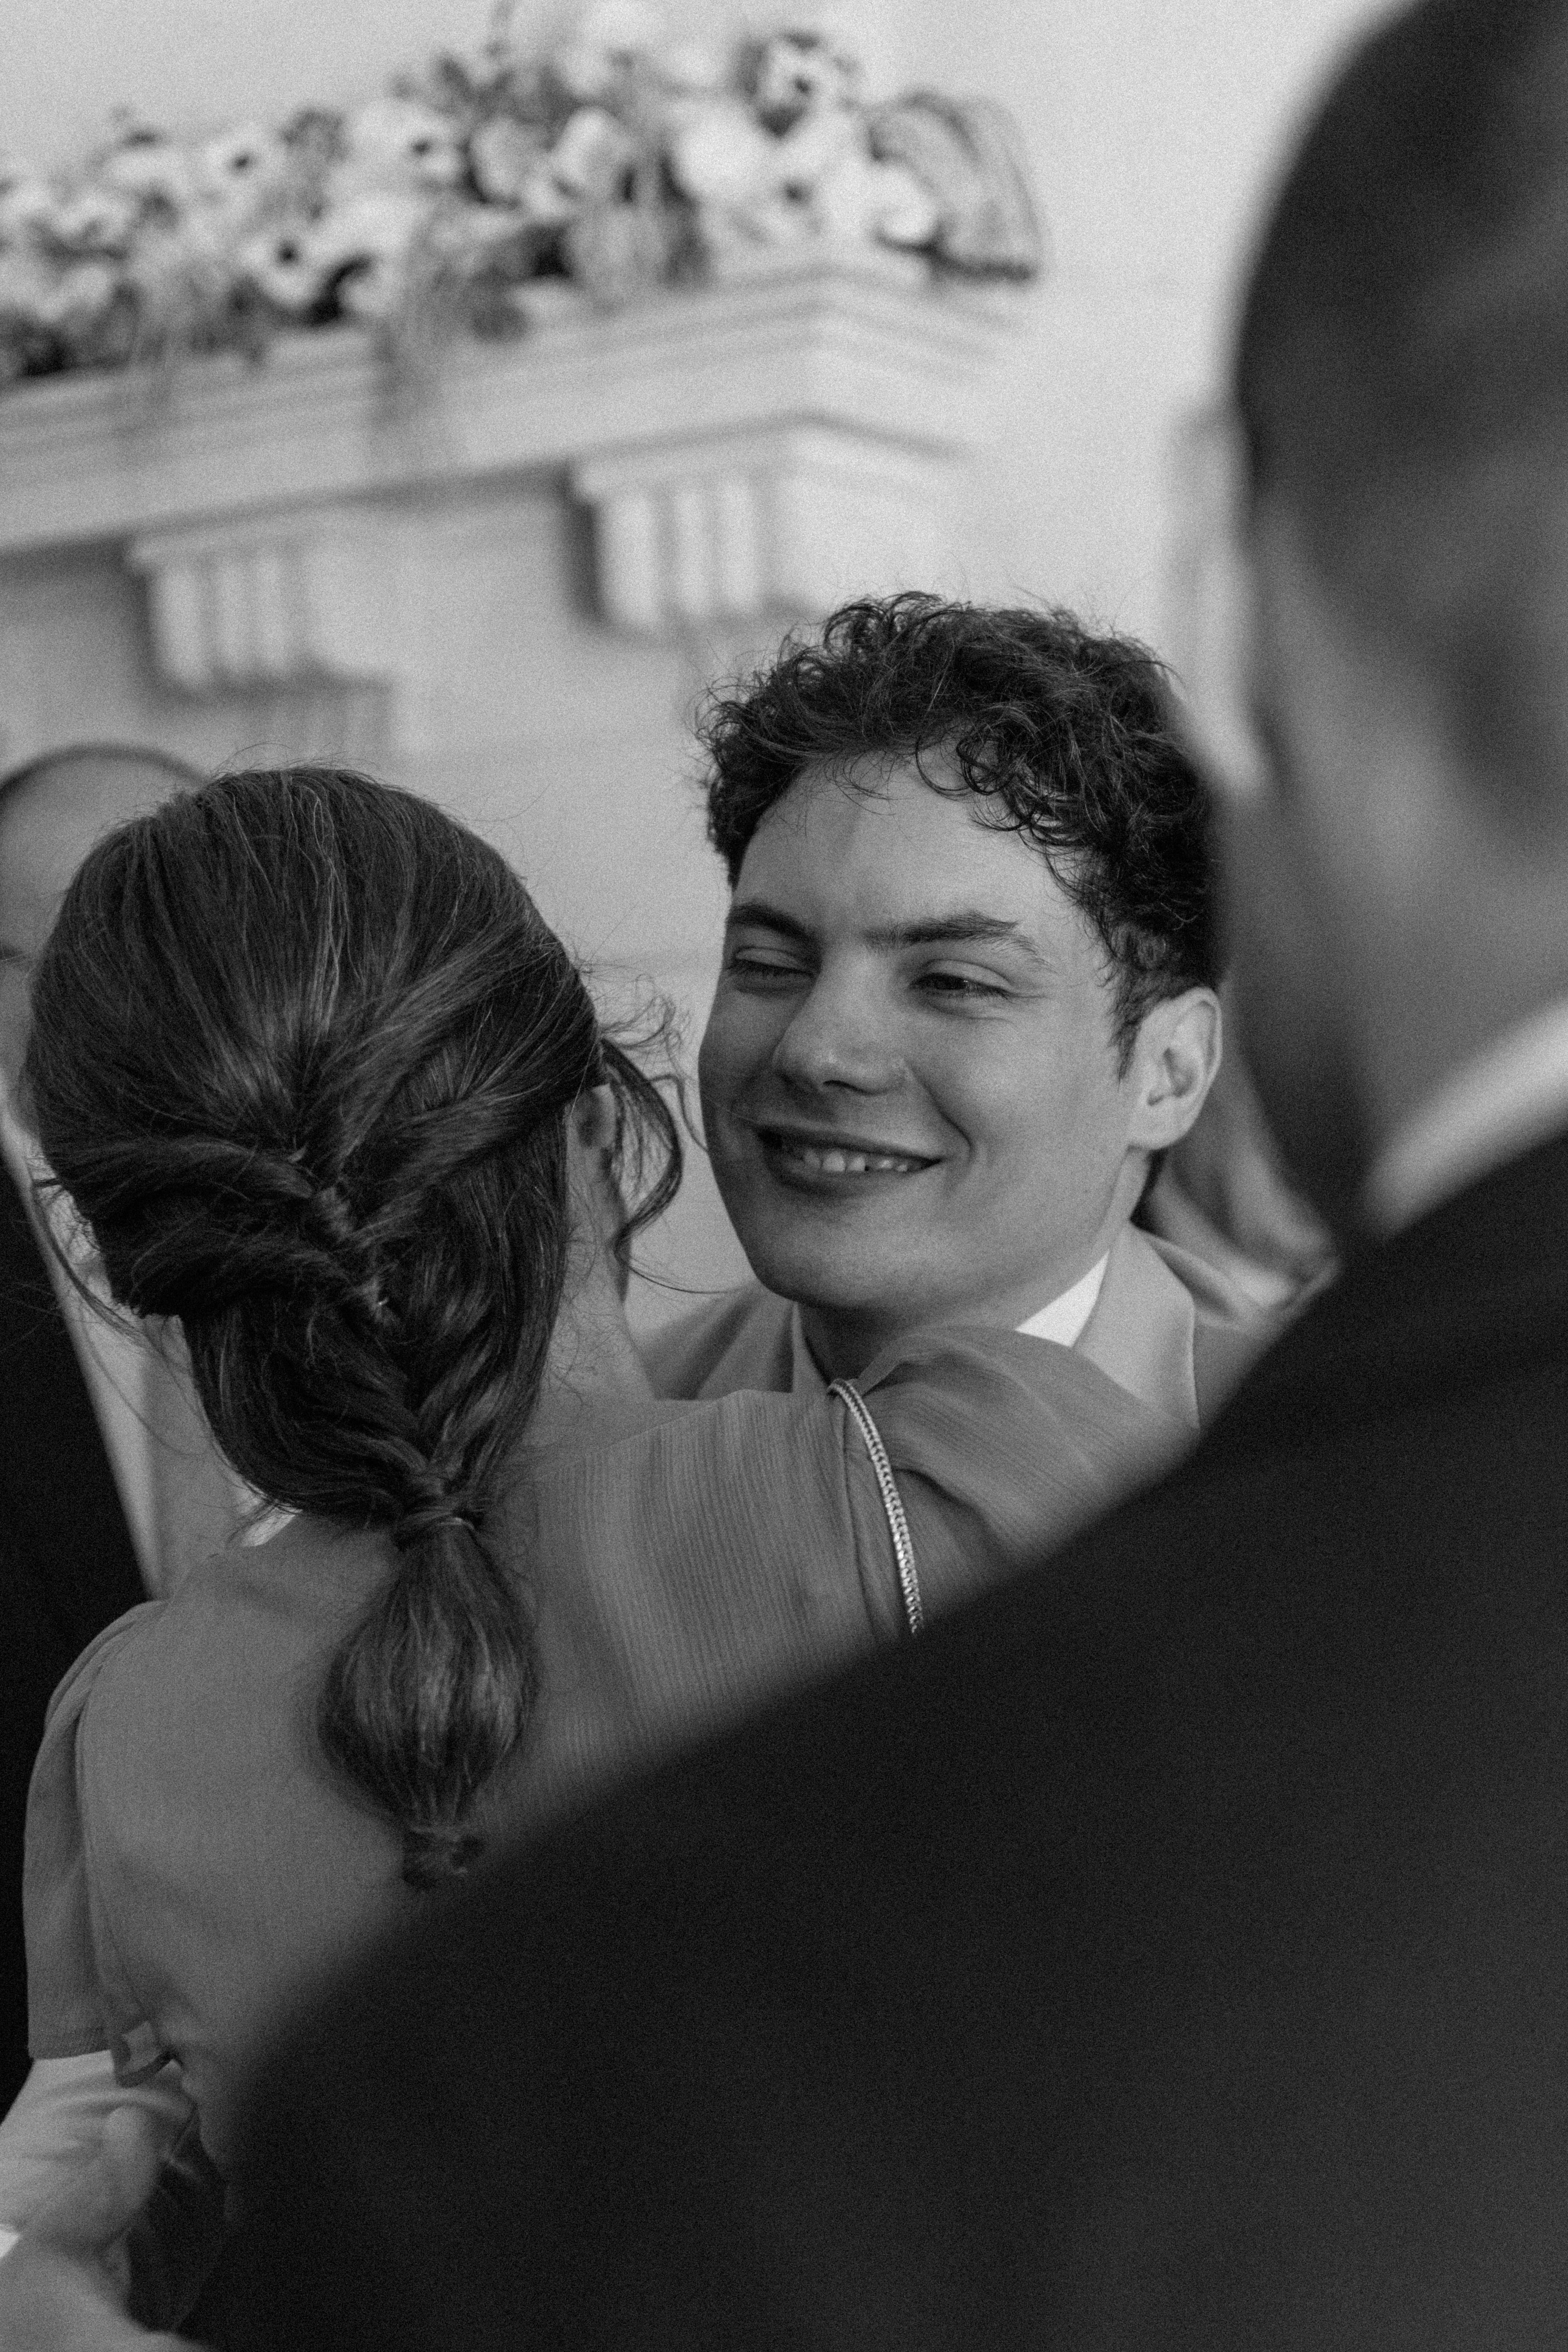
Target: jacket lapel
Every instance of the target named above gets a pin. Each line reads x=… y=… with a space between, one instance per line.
x=1142 y=1330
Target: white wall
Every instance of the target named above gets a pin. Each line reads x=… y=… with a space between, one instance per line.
x=1155 y=127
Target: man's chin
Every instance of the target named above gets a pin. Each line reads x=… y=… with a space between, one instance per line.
x=817 y=1288
x=792 y=1268
x=806 y=1249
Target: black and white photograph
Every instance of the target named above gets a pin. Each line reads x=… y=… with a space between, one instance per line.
x=783 y=1176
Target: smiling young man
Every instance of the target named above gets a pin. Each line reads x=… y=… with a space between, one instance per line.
x=967 y=998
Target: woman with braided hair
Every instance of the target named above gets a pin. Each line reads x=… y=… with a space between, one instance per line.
x=325 y=1092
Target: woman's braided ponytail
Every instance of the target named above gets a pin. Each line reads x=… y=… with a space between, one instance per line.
x=303 y=1053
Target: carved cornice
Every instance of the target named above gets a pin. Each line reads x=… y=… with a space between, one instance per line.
x=265 y=601
x=746 y=448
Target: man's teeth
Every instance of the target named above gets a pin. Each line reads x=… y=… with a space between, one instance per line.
x=831 y=1162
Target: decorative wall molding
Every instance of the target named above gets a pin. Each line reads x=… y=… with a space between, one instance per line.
x=296 y=599
x=746 y=448
x=734 y=526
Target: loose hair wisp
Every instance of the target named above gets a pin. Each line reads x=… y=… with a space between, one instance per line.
x=302 y=1055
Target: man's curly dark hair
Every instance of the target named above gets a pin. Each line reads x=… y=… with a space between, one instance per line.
x=1068 y=737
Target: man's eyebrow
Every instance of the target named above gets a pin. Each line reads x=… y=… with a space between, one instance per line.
x=757 y=915
x=964 y=926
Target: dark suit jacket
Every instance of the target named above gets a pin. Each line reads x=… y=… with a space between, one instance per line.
x=1171 y=1950
x=66 y=1567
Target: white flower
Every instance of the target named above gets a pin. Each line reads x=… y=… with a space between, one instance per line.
x=365 y=244
x=802 y=72
x=591 y=156
x=820 y=143
x=77 y=297
x=282 y=265
x=240 y=172
x=585 y=166
x=370 y=228
x=721 y=156
x=397 y=144
x=860 y=201
x=150 y=169
x=503 y=155
x=93 y=220
x=26 y=204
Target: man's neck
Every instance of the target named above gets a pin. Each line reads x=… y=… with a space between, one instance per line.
x=842 y=1343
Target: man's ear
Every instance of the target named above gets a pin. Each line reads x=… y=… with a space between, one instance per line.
x=1174 y=1062
x=1212 y=588
x=595 y=1119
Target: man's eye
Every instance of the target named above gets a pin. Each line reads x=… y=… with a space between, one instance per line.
x=763 y=970
x=959 y=985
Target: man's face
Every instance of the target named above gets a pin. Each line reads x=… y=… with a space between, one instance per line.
x=46 y=831
x=909 y=1078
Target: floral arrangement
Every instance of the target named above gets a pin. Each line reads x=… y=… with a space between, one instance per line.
x=609 y=162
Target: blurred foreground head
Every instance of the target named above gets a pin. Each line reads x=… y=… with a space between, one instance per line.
x=1380 y=645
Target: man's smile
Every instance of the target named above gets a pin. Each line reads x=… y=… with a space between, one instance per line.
x=812 y=1157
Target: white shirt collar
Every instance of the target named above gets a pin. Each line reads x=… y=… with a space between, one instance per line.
x=1512 y=1095
x=1064 y=1318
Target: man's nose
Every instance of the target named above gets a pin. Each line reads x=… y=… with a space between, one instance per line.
x=839 y=1037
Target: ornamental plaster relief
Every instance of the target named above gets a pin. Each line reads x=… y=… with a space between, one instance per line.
x=755 y=448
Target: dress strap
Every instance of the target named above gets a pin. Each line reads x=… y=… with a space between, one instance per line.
x=892 y=1502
